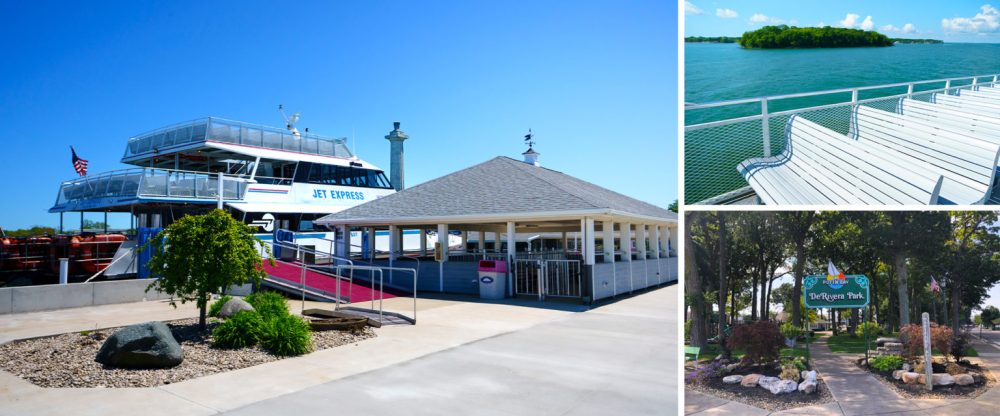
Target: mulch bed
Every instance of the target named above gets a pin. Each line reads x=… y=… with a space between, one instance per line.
x=760 y=397
x=67 y=360
x=919 y=391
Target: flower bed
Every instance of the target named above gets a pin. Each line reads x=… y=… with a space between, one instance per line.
x=982 y=380
x=755 y=395
x=67 y=360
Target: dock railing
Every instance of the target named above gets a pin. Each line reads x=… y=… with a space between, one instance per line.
x=719 y=135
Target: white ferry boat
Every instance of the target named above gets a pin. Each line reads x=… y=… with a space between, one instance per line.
x=272 y=178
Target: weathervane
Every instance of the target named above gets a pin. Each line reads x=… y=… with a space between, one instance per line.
x=528 y=139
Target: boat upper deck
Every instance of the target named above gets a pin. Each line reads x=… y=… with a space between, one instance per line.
x=196 y=133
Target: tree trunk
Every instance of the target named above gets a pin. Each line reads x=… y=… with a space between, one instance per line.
x=800 y=265
x=899 y=259
x=853 y=328
x=723 y=282
x=767 y=298
x=202 y=325
x=692 y=287
x=753 y=293
x=956 y=309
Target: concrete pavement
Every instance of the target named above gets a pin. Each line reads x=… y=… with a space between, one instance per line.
x=616 y=359
x=550 y=360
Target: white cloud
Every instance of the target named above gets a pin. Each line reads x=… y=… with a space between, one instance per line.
x=726 y=13
x=988 y=20
x=867 y=24
x=850 y=21
x=761 y=18
x=888 y=28
x=690 y=8
x=821 y=24
x=909 y=28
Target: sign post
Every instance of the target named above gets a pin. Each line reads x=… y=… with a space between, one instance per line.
x=928 y=364
x=837 y=292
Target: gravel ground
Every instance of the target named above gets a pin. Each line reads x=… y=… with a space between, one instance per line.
x=915 y=391
x=759 y=397
x=67 y=360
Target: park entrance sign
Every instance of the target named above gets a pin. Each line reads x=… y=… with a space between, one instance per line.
x=851 y=291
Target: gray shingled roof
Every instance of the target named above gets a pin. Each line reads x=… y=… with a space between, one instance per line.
x=498 y=186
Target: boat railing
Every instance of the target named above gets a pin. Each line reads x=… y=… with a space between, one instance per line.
x=150 y=182
x=720 y=135
x=236 y=132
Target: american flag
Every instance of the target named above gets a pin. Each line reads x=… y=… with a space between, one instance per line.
x=80 y=165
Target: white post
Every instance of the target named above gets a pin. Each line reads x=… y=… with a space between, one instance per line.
x=423 y=242
x=765 y=129
x=670 y=239
x=640 y=241
x=511 y=253
x=583 y=239
x=345 y=241
x=63 y=271
x=371 y=244
x=442 y=239
x=928 y=367
x=219 y=204
x=590 y=241
x=626 y=241
x=393 y=242
x=608 y=240
x=654 y=241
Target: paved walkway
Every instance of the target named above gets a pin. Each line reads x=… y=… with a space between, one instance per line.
x=494 y=358
x=857 y=393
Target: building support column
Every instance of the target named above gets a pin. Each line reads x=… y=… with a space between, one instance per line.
x=626 y=243
x=370 y=253
x=511 y=255
x=423 y=242
x=442 y=239
x=654 y=241
x=394 y=234
x=590 y=242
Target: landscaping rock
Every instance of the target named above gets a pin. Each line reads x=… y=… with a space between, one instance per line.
x=898 y=374
x=148 y=345
x=942 y=379
x=807 y=387
x=767 y=381
x=809 y=376
x=732 y=367
x=907 y=367
x=732 y=379
x=964 y=379
x=750 y=380
x=911 y=377
x=880 y=341
x=782 y=386
x=233 y=306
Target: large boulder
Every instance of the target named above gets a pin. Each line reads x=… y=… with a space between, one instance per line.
x=767 y=381
x=910 y=377
x=733 y=379
x=148 y=345
x=750 y=380
x=233 y=306
x=807 y=387
x=809 y=375
x=898 y=374
x=782 y=386
x=964 y=379
x=942 y=379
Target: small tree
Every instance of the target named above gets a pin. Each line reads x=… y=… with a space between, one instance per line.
x=202 y=254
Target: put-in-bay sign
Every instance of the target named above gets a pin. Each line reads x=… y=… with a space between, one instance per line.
x=851 y=291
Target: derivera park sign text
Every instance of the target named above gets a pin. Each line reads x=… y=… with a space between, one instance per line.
x=851 y=291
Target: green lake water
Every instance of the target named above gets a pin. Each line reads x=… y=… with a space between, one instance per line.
x=716 y=72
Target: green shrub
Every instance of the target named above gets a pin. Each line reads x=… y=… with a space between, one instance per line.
x=244 y=329
x=886 y=363
x=790 y=331
x=217 y=305
x=873 y=330
x=287 y=335
x=268 y=304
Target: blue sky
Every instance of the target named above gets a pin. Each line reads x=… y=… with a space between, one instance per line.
x=951 y=21
x=595 y=80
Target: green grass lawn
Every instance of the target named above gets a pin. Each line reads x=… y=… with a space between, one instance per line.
x=845 y=344
x=712 y=350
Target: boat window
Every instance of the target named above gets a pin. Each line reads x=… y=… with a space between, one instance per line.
x=341 y=175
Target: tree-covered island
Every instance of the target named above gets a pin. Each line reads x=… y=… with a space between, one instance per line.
x=782 y=36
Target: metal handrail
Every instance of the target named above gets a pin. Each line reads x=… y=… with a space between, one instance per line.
x=299 y=250
x=381 y=291
x=697 y=106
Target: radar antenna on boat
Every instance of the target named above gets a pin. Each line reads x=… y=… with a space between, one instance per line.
x=290 y=121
